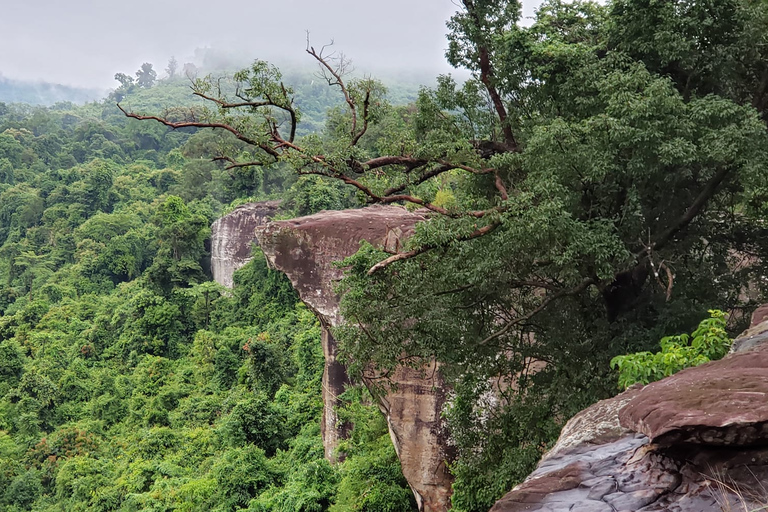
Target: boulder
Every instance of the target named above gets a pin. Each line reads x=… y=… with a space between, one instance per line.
x=232 y=238
x=722 y=403
x=694 y=442
x=306 y=250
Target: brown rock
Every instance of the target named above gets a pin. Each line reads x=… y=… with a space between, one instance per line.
x=719 y=403
x=413 y=410
x=759 y=316
x=694 y=442
x=532 y=494
x=756 y=335
x=233 y=235
x=595 y=425
x=306 y=250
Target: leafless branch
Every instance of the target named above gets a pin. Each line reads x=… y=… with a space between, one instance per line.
x=335 y=77
x=202 y=124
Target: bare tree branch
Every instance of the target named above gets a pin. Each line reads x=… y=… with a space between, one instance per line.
x=202 y=124
x=336 y=80
x=225 y=104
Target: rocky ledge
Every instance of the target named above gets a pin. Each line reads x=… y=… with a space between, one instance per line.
x=233 y=235
x=306 y=250
x=694 y=442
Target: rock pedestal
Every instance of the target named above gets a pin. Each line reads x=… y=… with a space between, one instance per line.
x=694 y=442
x=232 y=237
x=305 y=249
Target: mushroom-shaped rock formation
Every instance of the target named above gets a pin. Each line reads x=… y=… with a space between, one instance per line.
x=232 y=237
x=694 y=442
x=305 y=249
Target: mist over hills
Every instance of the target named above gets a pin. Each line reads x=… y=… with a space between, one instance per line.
x=45 y=93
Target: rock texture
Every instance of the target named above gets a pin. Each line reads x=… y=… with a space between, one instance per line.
x=232 y=237
x=306 y=250
x=694 y=442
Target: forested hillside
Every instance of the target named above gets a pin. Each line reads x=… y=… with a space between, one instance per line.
x=598 y=184
x=44 y=93
x=128 y=379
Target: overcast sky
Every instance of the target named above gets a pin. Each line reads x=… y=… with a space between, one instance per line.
x=85 y=42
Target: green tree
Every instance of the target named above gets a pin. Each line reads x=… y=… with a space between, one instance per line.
x=146 y=76
x=173 y=66
x=125 y=80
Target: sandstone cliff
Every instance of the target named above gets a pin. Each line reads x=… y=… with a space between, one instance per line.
x=694 y=442
x=306 y=249
x=232 y=237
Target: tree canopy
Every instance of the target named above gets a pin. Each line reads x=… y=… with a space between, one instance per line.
x=129 y=380
x=597 y=183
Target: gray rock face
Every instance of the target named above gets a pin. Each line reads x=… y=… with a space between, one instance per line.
x=306 y=250
x=232 y=237
x=694 y=442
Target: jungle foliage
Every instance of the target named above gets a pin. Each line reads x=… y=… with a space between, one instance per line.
x=598 y=184
x=708 y=342
x=128 y=379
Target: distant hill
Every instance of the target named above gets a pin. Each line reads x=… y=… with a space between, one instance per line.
x=44 y=93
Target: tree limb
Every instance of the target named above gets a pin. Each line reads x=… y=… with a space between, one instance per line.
x=421 y=179
x=541 y=307
x=337 y=80
x=234 y=164
x=693 y=210
x=421 y=250
x=202 y=124
x=487 y=77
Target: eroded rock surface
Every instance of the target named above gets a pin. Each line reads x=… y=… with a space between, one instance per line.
x=233 y=235
x=306 y=249
x=694 y=442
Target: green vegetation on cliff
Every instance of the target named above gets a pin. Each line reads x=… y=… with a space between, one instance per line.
x=598 y=184
x=128 y=379
x=708 y=342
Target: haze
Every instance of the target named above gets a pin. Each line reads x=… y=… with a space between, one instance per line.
x=85 y=42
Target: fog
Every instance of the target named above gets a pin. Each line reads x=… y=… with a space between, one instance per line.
x=85 y=42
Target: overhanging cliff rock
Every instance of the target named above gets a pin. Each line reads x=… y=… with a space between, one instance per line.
x=305 y=249
x=694 y=442
x=233 y=235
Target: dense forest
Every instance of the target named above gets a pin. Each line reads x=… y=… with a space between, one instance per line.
x=128 y=379
x=598 y=183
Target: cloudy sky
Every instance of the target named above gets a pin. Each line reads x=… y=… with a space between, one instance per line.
x=85 y=42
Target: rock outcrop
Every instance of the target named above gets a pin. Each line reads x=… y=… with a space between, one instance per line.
x=232 y=237
x=694 y=442
x=305 y=249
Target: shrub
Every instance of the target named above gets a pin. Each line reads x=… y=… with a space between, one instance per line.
x=707 y=343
